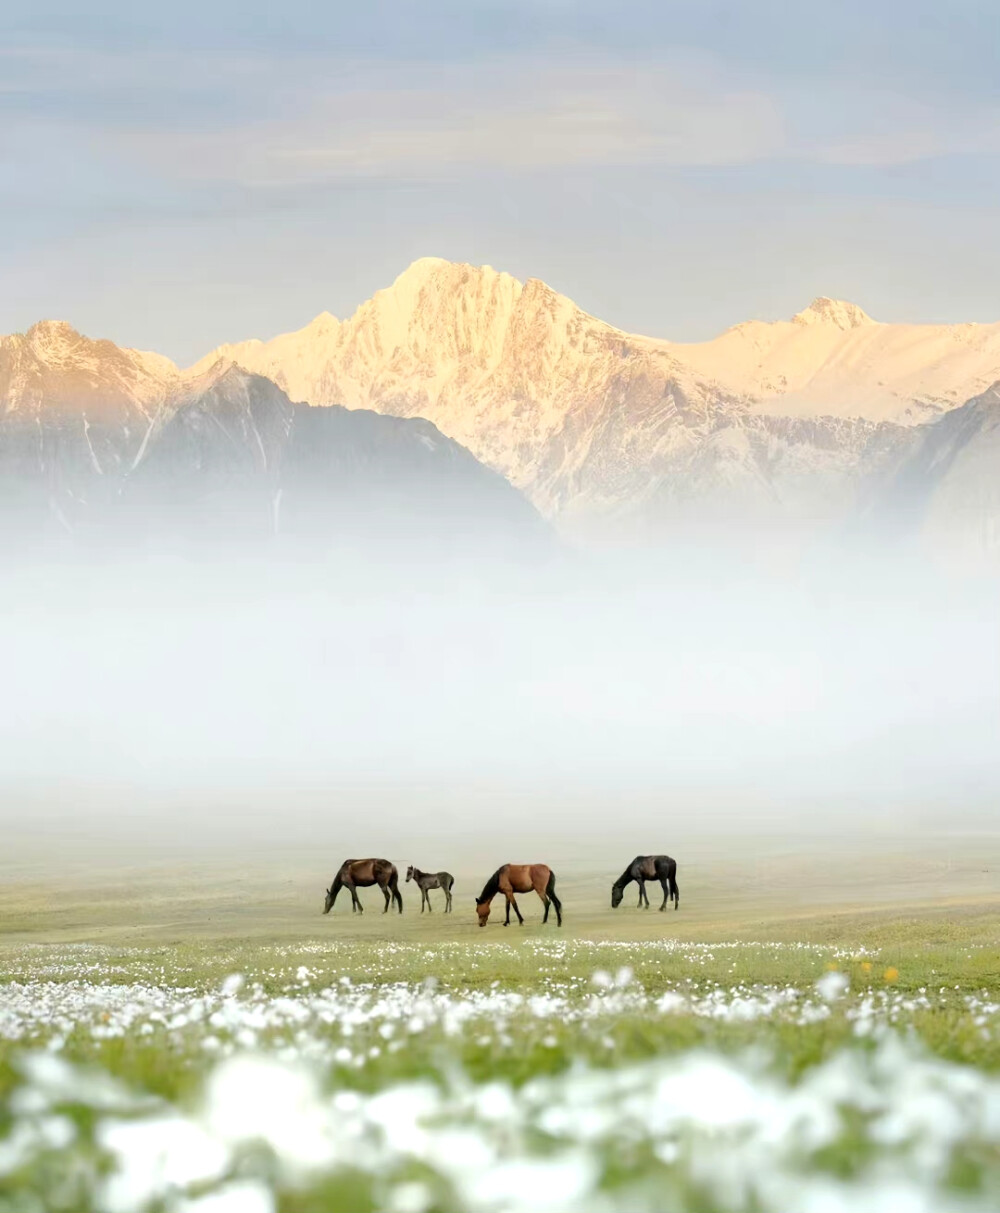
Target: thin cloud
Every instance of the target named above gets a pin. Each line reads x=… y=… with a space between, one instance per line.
x=262 y=121
x=505 y=116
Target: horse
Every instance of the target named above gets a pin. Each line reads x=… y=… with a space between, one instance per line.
x=519 y=878
x=648 y=867
x=357 y=874
x=431 y=880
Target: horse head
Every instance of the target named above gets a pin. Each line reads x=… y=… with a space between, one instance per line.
x=617 y=893
x=329 y=900
x=409 y=872
x=483 y=910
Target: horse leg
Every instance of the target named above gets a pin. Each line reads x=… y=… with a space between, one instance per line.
x=506 y=921
x=356 y=906
x=557 y=903
x=423 y=898
x=385 y=894
x=666 y=895
x=513 y=902
x=430 y=908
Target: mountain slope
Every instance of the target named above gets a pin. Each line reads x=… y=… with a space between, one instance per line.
x=945 y=491
x=55 y=368
x=236 y=457
x=74 y=414
x=98 y=440
x=833 y=358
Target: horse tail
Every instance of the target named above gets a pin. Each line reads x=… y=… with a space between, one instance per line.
x=550 y=893
x=675 y=892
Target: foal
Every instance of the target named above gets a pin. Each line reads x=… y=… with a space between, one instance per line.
x=431 y=880
x=519 y=878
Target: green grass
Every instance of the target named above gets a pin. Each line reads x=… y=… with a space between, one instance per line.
x=928 y=968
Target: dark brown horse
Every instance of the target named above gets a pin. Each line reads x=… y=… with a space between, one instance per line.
x=431 y=880
x=357 y=874
x=648 y=867
x=519 y=878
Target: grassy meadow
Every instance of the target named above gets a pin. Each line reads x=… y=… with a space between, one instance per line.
x=813 y=1029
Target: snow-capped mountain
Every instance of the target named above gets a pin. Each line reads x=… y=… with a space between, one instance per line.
x=833 y=358
x=786 y=423
x=74 y=414
x=458 y=343
x=110 y=442
x=54 y=368
x=507 y=369
x=594 y=423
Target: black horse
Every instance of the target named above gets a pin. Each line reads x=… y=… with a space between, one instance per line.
x=648 y=867
x=431 y=880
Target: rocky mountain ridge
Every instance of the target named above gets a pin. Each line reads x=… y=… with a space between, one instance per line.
x=777 y=423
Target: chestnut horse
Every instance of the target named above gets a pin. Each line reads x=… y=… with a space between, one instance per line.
x=357 y=874
x=519 y=878
x=649 y=867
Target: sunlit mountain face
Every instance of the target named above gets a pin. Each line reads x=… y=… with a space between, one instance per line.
x=818 y=425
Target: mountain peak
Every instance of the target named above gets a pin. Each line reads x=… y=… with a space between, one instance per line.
x=424 y=265
x=48 y=334
x=445 y=273
x=419 y=272
x=838 y=312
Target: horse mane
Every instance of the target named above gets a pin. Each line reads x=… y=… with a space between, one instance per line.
x=626 y=876
x=492 y=886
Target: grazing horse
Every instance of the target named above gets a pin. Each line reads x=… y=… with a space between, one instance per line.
x=519 y=878
x=431 y=880
x=357 y=874
x=648 y=867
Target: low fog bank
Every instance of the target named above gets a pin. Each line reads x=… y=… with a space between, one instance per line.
x=370 y=703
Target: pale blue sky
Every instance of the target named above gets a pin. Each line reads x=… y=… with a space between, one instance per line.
x=177 y=176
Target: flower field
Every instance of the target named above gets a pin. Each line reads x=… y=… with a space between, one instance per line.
x=528 y=1072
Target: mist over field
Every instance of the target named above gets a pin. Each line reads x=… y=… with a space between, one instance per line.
x=368 y=704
